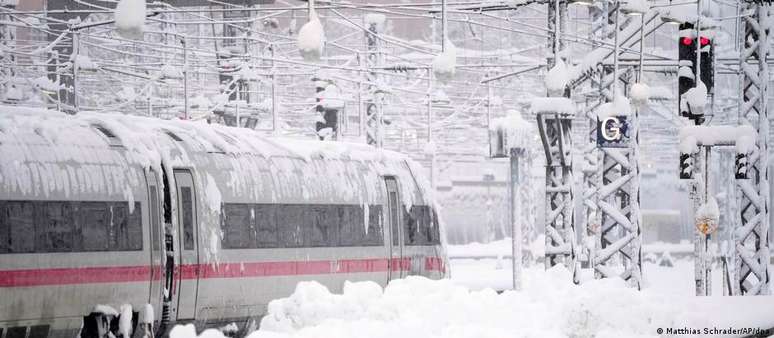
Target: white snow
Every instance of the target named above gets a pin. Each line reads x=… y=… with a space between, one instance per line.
x=84 y=62
x=377 y=19
x=640 y=93
x=620 y=106
x=557 y=79
x=331 y=97
x=445 y=63
x=635 y=7
x=170 y=72
x=691 y=137
x=560 y=105
x=311 y=38
x=696 y=98
x=518 y=131
x=550 y=305
x=105 y=310
x=148 y=315
x=130 y=18
x=125 y=321
x=44 y=83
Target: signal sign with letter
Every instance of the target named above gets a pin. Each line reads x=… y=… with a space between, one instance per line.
x=613 y=132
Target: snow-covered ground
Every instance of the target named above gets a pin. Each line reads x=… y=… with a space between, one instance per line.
x=548 y=306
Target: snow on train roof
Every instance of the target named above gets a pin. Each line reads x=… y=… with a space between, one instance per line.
x=133 y=131
x=34 y=143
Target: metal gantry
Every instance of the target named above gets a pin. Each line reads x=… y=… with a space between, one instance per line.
x=751 y=238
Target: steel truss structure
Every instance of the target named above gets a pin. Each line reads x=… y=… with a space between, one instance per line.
x=373 y=117
x=611 y=178
x=751 y=238
x=555 y=135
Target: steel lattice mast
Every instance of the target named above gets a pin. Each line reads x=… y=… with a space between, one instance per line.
x=751 y=275
x=617 y=198
x=555 y=135
x=374 y=121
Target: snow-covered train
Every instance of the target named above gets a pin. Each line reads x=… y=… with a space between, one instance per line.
x=190 y=222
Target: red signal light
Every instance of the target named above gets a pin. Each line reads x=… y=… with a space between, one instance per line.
x=687 y=41
x=704 y=41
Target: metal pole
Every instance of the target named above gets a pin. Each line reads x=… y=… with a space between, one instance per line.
x=616 y=51
x=515 y=218
x=236 y=114
x=76 y=66
x=185 y=78
x=444 y=25
x=642 y=47
x=274 y=116
x=430 y=128
x=698 y=42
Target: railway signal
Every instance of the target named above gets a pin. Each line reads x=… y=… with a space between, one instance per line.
x=687 y=47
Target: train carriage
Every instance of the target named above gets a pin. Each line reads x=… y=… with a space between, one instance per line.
x=190 y=222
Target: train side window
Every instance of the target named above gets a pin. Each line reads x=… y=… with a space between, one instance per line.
x=236 y=226
x=375 y=235
x=410 y=225
x=266 y=226
x=54 y=227
x=323 y=226
x=291 y=220
x=352 y=229
x=5 y=232
x=126 y=229
x=187 y=203
x=94 y=230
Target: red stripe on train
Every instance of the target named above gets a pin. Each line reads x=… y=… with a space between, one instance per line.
x=118 y=274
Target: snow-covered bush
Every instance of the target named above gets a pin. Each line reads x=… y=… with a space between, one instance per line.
x=130 y=18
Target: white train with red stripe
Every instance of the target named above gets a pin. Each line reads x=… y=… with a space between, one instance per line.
x=190 y=222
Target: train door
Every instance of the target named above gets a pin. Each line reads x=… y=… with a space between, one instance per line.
x=396 y=230
x=188 y=269
x=157 y=260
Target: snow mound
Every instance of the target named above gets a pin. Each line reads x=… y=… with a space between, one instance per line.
x=130 y=18
x=549 y=306
x=311 y=38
